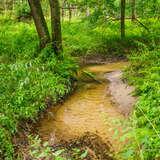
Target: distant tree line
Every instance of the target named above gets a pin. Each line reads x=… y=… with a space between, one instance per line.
x=94 y=9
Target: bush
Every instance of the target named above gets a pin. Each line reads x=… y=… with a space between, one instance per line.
x=144 y=73
x=18 y=41
x=24 y=88
x=28 y=77
x=22 y=11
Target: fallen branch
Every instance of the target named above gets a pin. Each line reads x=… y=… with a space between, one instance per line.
x=89 y=74
x=118 y=19
x=142 y=25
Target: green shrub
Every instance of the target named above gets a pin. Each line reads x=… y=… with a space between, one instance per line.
x=26 y=85
x=144 y=73
x=18 y=41
x=22 y=10
x=28 y=77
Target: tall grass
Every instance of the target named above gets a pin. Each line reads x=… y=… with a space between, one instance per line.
x=28 y=77
x=144 y=74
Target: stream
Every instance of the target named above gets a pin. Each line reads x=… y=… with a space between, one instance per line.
x=91 y=108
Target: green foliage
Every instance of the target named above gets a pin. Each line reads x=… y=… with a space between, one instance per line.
x=26 y=85
x=37 y=149
x=42 y=150
x=6 y=147
x=28 y=79
x=82 y=38
x=22 y=10
x=144 y=73
x=18 y=41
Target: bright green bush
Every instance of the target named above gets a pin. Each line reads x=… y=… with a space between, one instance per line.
x=26 y=85
x=22 y=10
x=18 y=41
x=28 y=77
x=144 y=73
x=82 y=38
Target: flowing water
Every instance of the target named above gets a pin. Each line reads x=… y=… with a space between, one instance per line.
x=88 y=109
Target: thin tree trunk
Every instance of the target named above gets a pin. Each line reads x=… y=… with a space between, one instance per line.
x=40 y=22
x=123 y=2
x=5 y=7
x=63 y=10
x=70 y=12
x=56 y=26
x=133 y=3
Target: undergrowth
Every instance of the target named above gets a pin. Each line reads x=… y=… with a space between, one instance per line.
x=24 y=88
x=144 y=74
x=82 y=38
x=28 y=77
x=42 y=150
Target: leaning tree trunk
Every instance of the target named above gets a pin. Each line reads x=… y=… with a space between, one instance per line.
x=123 y=2
x=133 y=4
x=56 y=26
x=40 y=22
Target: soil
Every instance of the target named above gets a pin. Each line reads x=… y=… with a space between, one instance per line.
x=98 y=59
x=96 y=148
x=121 y=92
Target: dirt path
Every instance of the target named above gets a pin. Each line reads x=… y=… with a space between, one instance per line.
x=90 y=109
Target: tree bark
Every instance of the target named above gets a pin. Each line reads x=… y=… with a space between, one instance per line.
x=133 y=4
x=40 y=23
x=70 y=12
x=56 y=26
x=123 y=2
x=63 y=9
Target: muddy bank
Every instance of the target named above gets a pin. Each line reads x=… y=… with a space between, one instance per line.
x=100 y=59
x=121 y=92
x=91 y=145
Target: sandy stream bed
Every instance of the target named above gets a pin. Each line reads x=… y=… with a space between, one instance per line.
x=91 y=113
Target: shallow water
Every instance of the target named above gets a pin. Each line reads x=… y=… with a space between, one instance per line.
x=89 y=109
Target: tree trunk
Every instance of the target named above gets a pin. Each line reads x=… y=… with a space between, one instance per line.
x=133 y=3
x=5 y=7
x=123 y=2
x=40 y=22
x=56 y=26
x=62 y=9
x=70 y=12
